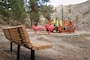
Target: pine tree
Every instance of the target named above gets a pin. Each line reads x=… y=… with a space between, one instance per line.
x=46 y=11
x=5 y=10
x=14 y=9
x=18 y=10
x=37 y=8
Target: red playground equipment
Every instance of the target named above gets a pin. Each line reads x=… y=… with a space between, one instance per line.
x=49 y=27
x=67 y=26
x=64 y=26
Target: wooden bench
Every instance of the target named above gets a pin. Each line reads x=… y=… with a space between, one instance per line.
x=19 y=35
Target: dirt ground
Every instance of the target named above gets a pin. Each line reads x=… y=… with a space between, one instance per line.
x=65 y=47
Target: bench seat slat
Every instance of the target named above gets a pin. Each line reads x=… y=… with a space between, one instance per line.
x=38 y=45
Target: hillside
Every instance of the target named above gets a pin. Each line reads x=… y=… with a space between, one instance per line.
x=1 y=20
x=79 y=13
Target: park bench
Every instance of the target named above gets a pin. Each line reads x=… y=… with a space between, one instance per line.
x=20 y=37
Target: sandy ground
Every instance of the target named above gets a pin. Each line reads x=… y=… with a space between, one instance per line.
x=68 y=47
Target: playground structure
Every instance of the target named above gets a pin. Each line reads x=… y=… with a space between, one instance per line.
x=63 y=25
x=56 y=25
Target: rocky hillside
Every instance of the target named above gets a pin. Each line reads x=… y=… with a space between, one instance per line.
x=79 y=13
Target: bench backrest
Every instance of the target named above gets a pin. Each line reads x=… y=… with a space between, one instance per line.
x=18 y=35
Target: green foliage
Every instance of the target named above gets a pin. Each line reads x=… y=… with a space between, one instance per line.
x=18 y=10
x=5 y=13
x=37 y=8
x=46 y=11
x=4 y=9
x=14 y=9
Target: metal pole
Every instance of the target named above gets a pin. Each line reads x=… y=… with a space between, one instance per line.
x=18 y=52
x=62 y=12
x=32 y=54
x=62 y=15
x=11 y=46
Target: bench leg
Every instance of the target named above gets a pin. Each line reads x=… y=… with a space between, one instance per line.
x=18 y=52
x=11 y=46
x=32 y=54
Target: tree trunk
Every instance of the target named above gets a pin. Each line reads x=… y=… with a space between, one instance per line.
x=32 y=21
